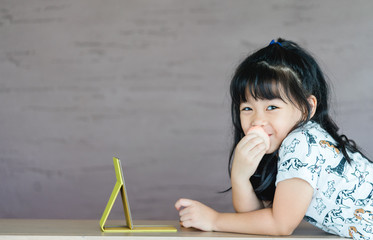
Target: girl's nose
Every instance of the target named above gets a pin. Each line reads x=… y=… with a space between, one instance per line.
x=259 y=120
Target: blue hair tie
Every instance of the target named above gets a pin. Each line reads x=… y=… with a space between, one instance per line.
x=274 y=42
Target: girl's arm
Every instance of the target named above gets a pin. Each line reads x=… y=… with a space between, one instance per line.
x=247 y=156
x=292 y=198
x=243 y=197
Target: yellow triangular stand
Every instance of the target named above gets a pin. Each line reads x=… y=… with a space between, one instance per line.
x=120 y=186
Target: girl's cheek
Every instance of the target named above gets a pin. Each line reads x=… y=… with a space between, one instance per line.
x=246 y=130
x=245 y=125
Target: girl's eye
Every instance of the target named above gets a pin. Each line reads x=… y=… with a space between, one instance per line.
x=272 y=108
x=246 y=109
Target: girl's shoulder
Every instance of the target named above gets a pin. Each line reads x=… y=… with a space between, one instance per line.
x=308 y=131
x=305 y=136
x=299 y=153
x=310 y=127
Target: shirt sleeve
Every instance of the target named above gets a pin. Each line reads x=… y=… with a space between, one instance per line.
x=298 y=158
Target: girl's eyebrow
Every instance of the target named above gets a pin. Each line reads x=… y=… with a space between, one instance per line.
x=278 y=100
x=267 y=100
x=274 y=101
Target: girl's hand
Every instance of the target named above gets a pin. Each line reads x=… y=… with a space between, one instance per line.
x=248 y=153
x=195 y=214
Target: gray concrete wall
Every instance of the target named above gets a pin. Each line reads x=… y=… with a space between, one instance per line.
x=82 y=81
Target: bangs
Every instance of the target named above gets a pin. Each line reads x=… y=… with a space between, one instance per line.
x=263 y=89
x=264 y=82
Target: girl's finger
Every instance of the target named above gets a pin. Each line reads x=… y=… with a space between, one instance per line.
x=183 y=211
x=183 y=202
x=258 y=152
x=252 y=144
x=245 y=140
x=185 y=217
x=187 y=224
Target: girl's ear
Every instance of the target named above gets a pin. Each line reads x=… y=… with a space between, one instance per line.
x=312 y=100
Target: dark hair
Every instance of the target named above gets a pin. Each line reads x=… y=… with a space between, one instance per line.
x=288 y=65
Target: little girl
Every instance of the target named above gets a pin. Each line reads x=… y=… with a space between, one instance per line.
x=288 y=161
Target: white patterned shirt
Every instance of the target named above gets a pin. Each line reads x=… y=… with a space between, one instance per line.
x=342 y=201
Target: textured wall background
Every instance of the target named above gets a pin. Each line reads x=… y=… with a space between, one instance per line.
x=147 y=81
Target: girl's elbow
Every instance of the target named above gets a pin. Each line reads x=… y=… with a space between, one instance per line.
x=285 y=230
x=285 y=225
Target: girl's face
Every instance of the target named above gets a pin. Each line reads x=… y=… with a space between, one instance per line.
x=277 y=117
